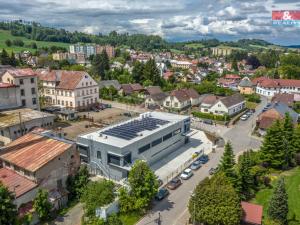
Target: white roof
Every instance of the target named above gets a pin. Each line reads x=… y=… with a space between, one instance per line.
x=120 y=142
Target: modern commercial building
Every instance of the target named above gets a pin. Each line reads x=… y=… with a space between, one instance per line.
x=26 y=79
x=69 y=89
x=112 y=151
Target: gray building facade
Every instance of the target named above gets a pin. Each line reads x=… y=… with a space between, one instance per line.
x=112 y=151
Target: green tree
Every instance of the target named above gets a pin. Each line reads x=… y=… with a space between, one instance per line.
x=215 y=201
x=4 y=58
x=227 y=162
x=288 y=138
x=234 y=65
x=8 y=210
x=8 y=42
x=273 y=149
x=296 y=140
x=126 y=201
x=151 y=72
x=77 y=184
x=100 y=64
x=41 y=204
x=97 y=194
x=137 y=71
x=278 y=207
x=13 y=60
x=113 y=219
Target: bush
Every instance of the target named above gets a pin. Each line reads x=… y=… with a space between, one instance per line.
x=253 y=98
x=211 y=116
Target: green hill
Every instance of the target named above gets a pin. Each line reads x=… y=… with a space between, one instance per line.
x=5 y=35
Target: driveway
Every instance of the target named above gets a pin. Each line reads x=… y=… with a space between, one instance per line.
x=72 y=217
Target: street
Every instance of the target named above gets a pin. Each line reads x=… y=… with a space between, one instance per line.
x=173 y=210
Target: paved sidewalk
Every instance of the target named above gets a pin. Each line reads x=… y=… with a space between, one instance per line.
x=73 y=217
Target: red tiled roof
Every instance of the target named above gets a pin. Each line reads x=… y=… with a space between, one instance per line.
x=168 y=74
x=21 y=72
x=33 y=150
x=285 y=98
x=6 y=85
x=130 y=88
x=273 y=83
x=15 y=182
x=152 y=90
x=192 y=93
x=181 y=95
x=252 y=213
x=210 y=99
x=67 y=80
x=232 y=76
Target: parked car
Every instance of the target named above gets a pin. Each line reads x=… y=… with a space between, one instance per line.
x=208 y=121
x=203 y=159
x=249 y=113
x=174 y=183
x=95 y=109
x=186 y=174
x=212 y=171
x=244 y=117
x=268 y=105
x=161 y=194
x=196 y=165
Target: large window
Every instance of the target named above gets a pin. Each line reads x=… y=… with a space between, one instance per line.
x=156 y=142
x=144 y=148
x=127 y=159
x=22 y=92
x=166 y=137
x=113 y=159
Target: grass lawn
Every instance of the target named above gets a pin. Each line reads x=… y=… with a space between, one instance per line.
x=251 y=105
x=194 y=45
x=292 y=180
x=130 y=218
x=4 y=35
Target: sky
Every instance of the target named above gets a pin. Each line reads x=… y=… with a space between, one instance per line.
x=174 y=20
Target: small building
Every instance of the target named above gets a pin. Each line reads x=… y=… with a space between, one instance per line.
x=26 y=80
x=129 y=89
x=207 y=102
x=246 y=86
x=109 y=83
x=285 y=98
x=229 y=81
x=229 y=105
x=112 y=151
x=154 y=97
x=252 y=213
x=15 y=123
x=276 y=111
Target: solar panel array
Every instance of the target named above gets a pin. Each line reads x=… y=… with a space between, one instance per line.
x=131 y=129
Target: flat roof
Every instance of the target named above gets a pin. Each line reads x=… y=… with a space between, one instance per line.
x=12 y=117
x=15 y=182
x=34 y=150
x=103 y=136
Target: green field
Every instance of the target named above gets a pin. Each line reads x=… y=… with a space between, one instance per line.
x=194 y=45
x=292 y=180
x=4 y=35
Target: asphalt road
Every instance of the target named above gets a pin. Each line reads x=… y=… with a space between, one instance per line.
x=173 y=210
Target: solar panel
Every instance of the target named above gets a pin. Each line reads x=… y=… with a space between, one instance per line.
x=131 y=129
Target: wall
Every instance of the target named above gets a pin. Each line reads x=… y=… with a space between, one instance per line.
x=27 y=197
x=10 y=98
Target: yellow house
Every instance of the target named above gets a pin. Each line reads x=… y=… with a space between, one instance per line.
x=246 y=86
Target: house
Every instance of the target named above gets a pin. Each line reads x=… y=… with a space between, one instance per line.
x=207 y=102
x=229 y=81
x=229 y=105
x=246 y=86
x=193 y=95
x=128 y=89
x=181 y=64
x=39 y=159
x=276 y=111
x=109 y=83
x=269 y=87
x=168 y=74
x=26 y=80
x=154 y=97
x=252 y=214
x=17 y=122
x=285 y=98
x=10 y=96
x=69 y=89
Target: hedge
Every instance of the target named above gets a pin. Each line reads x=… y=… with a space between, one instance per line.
x=211 y=116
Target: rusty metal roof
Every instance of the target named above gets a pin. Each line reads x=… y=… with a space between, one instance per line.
x=33 y=150
x=15 y=182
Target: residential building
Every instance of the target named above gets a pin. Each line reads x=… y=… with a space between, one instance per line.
x=69 y=89
x=181 y=64
x=112 y=151
x=110 y=50
x=285 y=98
x=86 y=49
x=10 y=96
x=182 y=99
x=229 y=81
x=252 y=214
x=269 y=87
x=39 y=159
x=246 y=86
x=207 y=102
x=26 y=79
x=128 y=89
x=219 y=51
x=277 y=111
x=15 y=123
x=60 y=56
x=110 y=83
x=154 y=97
x=229 y=105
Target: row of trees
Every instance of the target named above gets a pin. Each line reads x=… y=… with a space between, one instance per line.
x=6 y=59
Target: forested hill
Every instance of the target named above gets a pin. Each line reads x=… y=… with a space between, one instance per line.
x=37 y=32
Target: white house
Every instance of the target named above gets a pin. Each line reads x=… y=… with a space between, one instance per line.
x=26 y=80
x=69 y=89
x=229 y=105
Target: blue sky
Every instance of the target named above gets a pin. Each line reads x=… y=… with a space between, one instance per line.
x=171 y=19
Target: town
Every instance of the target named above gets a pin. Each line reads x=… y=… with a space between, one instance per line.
x=119 y=131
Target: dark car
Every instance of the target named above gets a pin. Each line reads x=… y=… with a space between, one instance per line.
x=203 y=159
x=208 y=121
x=174 y=183
x=212 y=171
x=161 y=194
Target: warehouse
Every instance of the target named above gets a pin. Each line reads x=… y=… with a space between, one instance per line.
x=112 y=151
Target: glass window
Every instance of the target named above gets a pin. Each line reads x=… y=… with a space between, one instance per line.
x=98 y=155
x=156 y=142
x=22 y=92
x=166 y=137
x=127 y=159
x=113 y=159
x=21 y=81
x=144 y=148
x=34 y=101
x=32 y=80
x=33 y=91
x=23 y=102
